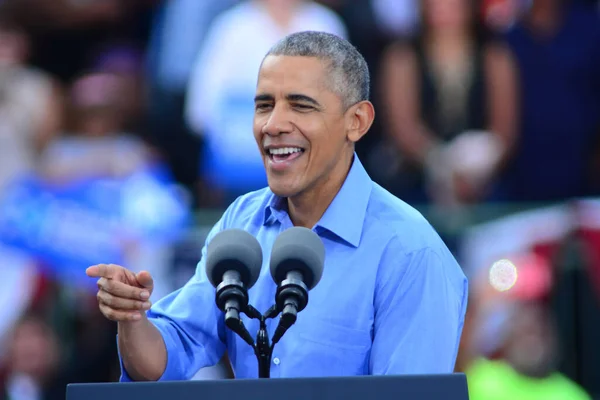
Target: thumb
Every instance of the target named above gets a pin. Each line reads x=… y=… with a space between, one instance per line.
x=145 y=280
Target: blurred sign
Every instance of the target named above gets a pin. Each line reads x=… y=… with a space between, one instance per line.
x=71 y=226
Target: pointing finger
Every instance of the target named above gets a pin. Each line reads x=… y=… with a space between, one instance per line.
x=101 y=271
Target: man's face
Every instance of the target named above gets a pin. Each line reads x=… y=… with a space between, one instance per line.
x=299 y=124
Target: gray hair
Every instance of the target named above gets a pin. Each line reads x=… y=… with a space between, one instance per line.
x=349 y=73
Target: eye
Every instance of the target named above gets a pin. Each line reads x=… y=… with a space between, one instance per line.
x=263 y=106
x=303 y=107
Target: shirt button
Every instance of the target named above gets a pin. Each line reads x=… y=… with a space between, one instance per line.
x=276 y=361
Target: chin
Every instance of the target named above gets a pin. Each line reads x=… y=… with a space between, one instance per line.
x=282 y=188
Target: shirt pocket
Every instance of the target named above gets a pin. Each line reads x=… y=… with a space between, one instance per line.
x=332 y=349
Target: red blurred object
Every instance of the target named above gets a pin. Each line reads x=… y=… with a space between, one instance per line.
x=499 y=14
x=43 y=287
x=588 y=215
x=534 y=276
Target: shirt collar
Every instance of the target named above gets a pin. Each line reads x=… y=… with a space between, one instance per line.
x=345 y=215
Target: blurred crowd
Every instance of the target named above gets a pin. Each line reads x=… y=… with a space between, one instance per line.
x=478 y=102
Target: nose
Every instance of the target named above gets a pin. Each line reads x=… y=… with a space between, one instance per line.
x=277 y=122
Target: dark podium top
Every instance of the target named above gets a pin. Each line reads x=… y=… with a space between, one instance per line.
x=405 y=387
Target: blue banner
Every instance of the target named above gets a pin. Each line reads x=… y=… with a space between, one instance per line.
x=72 y=226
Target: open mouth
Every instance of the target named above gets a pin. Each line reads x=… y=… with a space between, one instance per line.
x=284 y=154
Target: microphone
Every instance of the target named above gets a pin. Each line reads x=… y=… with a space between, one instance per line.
x=297 y=260
x=233 y=264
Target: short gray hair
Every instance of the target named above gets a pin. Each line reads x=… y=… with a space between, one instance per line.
x=348 y=70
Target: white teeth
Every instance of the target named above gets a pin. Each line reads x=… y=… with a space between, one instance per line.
x=284 y=150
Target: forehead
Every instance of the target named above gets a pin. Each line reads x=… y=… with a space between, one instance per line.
x=290 y=73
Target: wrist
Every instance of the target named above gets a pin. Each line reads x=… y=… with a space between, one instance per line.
x=133 y=324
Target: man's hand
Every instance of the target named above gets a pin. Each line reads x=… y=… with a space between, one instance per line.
x=122 y=295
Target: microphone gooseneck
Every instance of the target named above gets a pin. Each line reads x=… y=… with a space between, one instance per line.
x=291 y=298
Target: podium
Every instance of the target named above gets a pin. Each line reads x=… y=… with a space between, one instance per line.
x=405 y=387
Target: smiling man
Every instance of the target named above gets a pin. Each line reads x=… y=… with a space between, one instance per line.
x=392 y=298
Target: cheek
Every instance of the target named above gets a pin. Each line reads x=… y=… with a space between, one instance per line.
x=325 y=149
x=257 y=130
x=329 y=136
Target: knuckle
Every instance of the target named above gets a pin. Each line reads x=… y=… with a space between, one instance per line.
x=107 y=312
x=106 y=298
x=108 y=285
x=117 y=269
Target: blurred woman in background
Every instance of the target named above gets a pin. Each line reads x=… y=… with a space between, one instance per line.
x=449 y=107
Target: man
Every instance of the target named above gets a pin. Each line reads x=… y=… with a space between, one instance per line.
x=392 y=298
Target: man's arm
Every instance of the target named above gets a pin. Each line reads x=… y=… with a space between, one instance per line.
x=182 y=333
x=420 y=305
x=144 y=355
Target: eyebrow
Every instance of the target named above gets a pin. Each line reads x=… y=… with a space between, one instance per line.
x=303 y=98
x=290 y=97
x=263 y=97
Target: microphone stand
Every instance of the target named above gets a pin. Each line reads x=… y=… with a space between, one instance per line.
x=263 y=348
x=291 y=297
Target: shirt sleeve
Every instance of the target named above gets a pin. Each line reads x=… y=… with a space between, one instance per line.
x=420 y=304
x=190 y=323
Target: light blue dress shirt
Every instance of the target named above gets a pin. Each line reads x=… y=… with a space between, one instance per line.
x=392 y=298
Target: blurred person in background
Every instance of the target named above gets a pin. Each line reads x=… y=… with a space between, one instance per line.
x=126 y=62
x=98 y=149
x=220 y=97
x=449 y=107
x=30 y=105
x=96 y=146
x=526 y=364
x=556 y=46
x=178 y=33
x=33 y=363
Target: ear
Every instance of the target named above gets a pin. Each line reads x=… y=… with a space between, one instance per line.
x=359 y=120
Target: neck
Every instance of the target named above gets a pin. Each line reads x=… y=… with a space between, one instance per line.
x=306 y=209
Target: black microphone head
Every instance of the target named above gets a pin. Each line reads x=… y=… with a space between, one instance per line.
x=234 y=249
x=298 y=249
